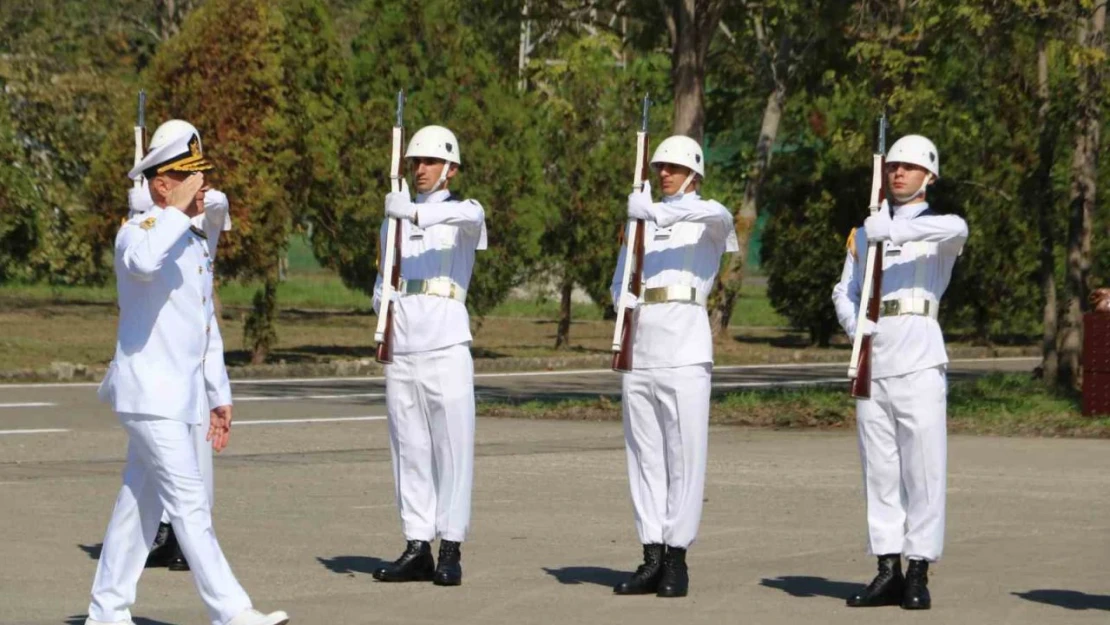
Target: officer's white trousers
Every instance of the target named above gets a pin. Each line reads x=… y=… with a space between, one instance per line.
x=162 y=473
x=903 y=448
x=204 y=460
x=666 y=435
x=430 y=402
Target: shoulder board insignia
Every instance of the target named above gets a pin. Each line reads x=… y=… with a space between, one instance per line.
x=851 y=244
x=147 y=223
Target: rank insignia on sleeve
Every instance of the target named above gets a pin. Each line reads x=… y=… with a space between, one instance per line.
x=147 y=223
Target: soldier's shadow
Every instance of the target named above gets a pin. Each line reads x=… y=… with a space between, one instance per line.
x=599 y=575
x=137 y=620
x=349 y=565
x=1070 y=599
x=93 y=551
x=808 y=586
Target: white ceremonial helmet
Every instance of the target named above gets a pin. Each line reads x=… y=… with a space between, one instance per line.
x=434 y=142
x=915 y=150
x=175 y=146
x=680 y=150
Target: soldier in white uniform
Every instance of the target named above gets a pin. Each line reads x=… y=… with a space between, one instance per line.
x=215 y=220
x=430 y=385
x=665 y=398
x=167 y=371
x=902 y=427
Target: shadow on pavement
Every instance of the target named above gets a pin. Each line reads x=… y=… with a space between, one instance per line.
x=807 y=586
x=1070 y=599
x=93 y=551
x=352 y=564
x=599 y=575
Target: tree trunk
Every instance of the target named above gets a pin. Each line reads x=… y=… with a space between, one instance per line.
x=260 y=327
x=692 y=24
x=731 y=278
x=562 y=335
x=1045 y=208
x=1083 y=188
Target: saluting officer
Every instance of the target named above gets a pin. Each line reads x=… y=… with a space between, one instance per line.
x=167 y=371
x=215 y=220
x=665 y=398
x=902 y=427
x=430 y=385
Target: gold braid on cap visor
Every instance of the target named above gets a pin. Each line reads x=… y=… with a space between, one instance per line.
x=193 y=160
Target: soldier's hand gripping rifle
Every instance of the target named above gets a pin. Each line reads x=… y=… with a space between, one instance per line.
x=871 y=293
x=140 y=135
x=391 y=265
x=632 y=278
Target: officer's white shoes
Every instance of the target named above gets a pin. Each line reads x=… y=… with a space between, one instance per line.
x=90 y=621
x=254 y=617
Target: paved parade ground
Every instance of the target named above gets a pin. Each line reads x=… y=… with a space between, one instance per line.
x=304 y=510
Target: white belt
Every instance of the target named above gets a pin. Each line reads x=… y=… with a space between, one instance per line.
x=437 y=287
x=909 y=306
x=673 y=293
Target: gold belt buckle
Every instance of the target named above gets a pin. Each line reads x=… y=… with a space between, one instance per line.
x=891 y=308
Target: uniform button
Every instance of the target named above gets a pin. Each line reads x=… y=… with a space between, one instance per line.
x=203 y=300
x=206 y=254
x=200 y=269
x=207 y=329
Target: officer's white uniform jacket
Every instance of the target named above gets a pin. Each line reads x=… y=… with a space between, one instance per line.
x=441 y=248
x=917 y=266
x=169 y=351
x=683 y=246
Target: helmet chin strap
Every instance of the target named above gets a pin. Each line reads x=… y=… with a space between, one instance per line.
x=685 y=185
x=442 y=177
x=920 y=191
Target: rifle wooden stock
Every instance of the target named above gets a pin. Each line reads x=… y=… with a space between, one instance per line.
x=871 y=294
x=622 y=359
x=391 y=268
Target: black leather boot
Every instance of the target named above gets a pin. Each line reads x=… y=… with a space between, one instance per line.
x=676 y=579
x=916 y=595
x=177 y=561
x=645 y=580
x=162 y=551
x=449 y=568
x=415 y=565
x=886 y=588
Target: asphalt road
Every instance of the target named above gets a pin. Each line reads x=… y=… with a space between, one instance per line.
x=305 y=511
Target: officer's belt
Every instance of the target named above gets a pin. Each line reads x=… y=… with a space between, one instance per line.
x=909 y=306
x=437 y=287
x=673 y=293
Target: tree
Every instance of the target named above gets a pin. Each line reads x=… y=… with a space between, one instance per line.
x=1084 y=186
x=420 y=47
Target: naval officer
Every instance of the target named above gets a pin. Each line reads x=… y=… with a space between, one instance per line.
x=168 y=369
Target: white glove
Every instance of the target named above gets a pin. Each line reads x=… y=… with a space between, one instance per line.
x=866 y=327
x=628 y=300
x=399 y=205
x=877 y=226
x=640 y=205
x=139 y=200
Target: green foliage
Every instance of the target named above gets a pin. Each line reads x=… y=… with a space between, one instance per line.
x=450 y=79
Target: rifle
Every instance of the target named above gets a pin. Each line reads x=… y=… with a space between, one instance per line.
x=859 y=369
x=140 y=134
x=391 y=267
x=632 y=279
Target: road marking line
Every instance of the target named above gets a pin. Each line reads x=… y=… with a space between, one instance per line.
x=303 y=397
x=30 y=404
x=42 y=431
x=774 y=384
x=312 y=420
x=524 y=374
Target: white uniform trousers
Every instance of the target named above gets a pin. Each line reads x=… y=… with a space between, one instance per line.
x=162 y=473
x=430 y=401
x=204 y=460
x=903 y=448
x=666 y=435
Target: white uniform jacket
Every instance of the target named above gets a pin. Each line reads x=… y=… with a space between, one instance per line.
x=440 y=249
x=169 y=351
x=917 y=266
x=683 y=246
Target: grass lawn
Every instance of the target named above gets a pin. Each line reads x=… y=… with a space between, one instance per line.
x=997 y=404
